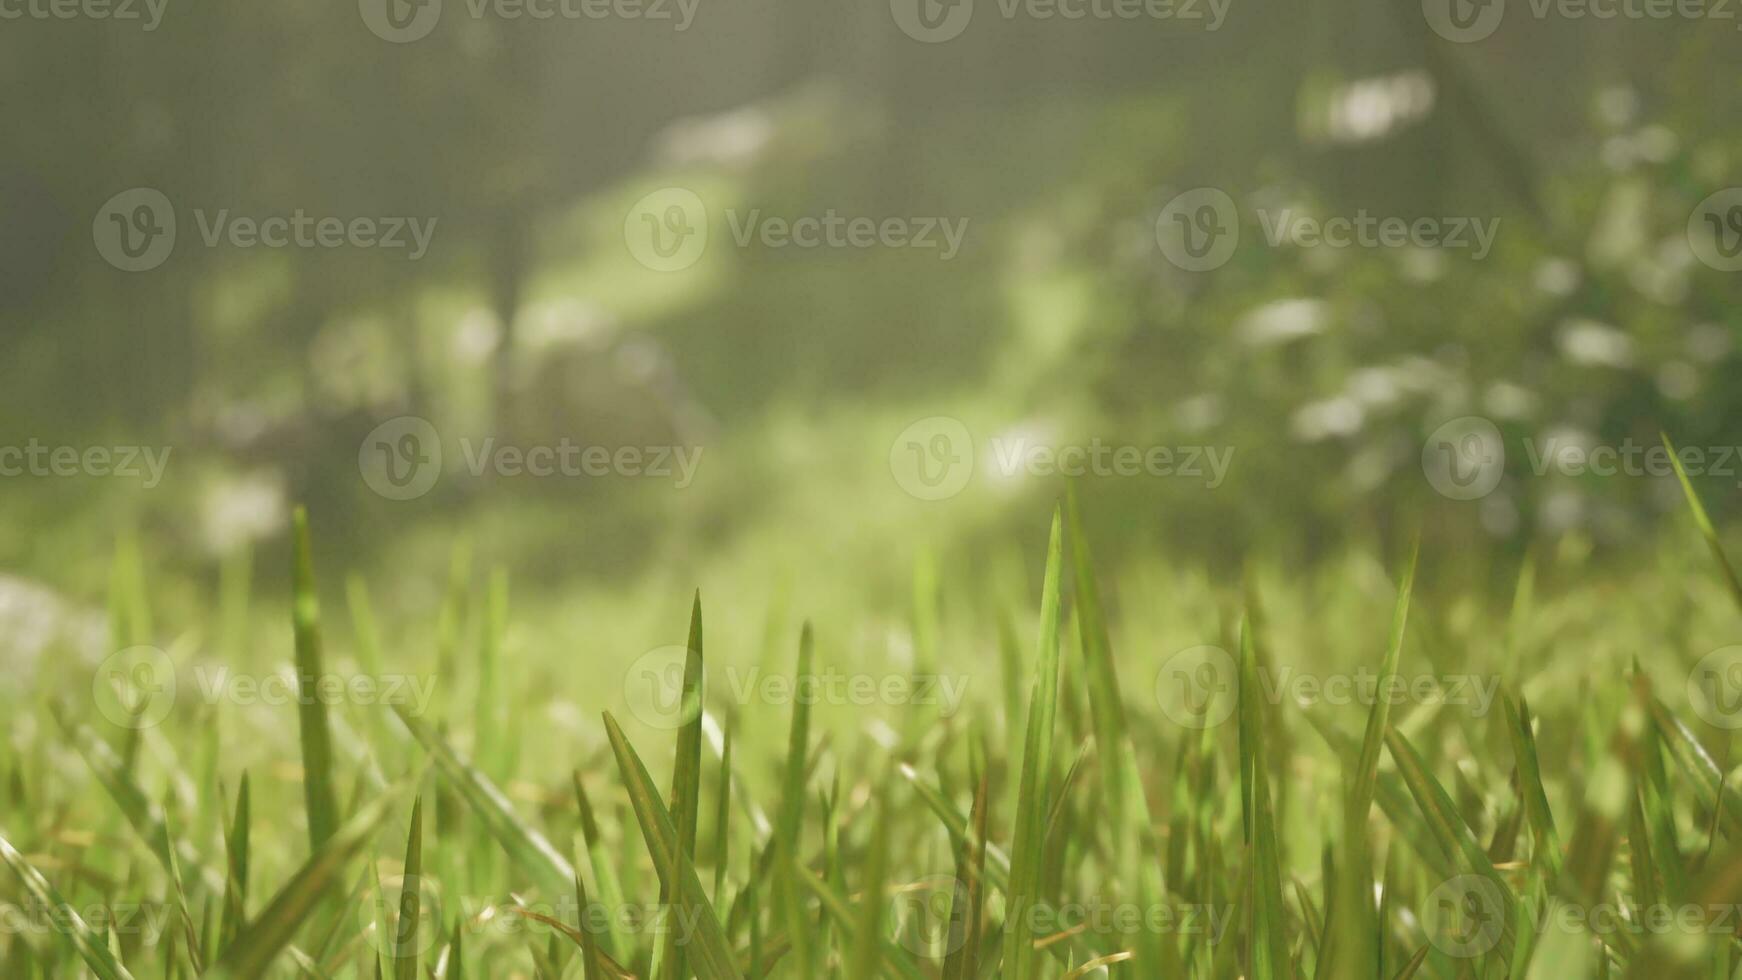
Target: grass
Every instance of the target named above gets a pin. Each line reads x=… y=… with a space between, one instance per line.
x=1090 y=811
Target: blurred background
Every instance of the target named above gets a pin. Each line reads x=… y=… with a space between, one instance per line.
x=532 y=143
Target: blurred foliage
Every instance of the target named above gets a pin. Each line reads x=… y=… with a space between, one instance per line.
x=1324 y=369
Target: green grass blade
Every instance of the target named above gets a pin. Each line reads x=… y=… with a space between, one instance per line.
x=410 y=899
x=790 y=823
x=1449 y=829
x=260 y=942
x=1379 y=720
x=686 y=779
x=90 y=946
x=1704 y=523
x=525 y=846
x=967 y=902
x=1269 y=946
x=1547 y=851
x=622 y=944
x=712 y=958
x=723 y=817
x=591 y=966
x=317 y=746
x=1034 y=792
x=143 y=814
x=236 y=856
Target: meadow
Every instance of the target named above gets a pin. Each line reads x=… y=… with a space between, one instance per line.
x=1369 y=770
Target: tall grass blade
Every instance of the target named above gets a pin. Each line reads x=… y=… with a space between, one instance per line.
x=712 y=959
x=1034 y=791
x=260 y=942
x=317 y=745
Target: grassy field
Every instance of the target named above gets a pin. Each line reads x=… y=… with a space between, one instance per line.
x=1040 y=769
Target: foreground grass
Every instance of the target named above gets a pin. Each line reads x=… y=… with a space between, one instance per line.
x=1267 y=781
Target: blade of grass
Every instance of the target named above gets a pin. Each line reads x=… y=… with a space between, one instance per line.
x=236 y=847
x=529 y=850
x=260 y=942
x=410 y=899
x=1379 y=720
x=713 y=959
x=1034 y=791
x=622 y=944
x=1704 y=523
x=686 y=780
x=90 y=946
x=790 y=823
x=317 y=746
x=1269 y=945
